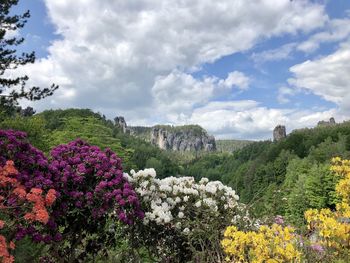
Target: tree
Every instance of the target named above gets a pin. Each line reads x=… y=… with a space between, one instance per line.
x=14 y=88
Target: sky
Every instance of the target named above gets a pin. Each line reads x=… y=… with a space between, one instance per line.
x=238 y=68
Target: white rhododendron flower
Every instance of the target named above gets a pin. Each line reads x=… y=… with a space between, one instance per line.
x=181 y=215
x=177 y=201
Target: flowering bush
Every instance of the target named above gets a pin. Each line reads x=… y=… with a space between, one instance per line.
x=183 y=216
x=19 y=207
x=32 y=165
x=268 y=244
x=90 y=184
x=333 y=227
x=33 y=172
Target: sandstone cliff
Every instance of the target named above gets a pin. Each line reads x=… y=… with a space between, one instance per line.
x=279 y=133
x=182 y=138
x=187 y=138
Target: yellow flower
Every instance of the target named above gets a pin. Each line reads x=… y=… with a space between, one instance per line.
x=268 y=244
x=334 y=227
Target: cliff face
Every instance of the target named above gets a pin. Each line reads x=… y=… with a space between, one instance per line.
x=183 y=138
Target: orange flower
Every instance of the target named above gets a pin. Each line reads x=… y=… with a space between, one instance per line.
x=20 y=192
x=12 y=245
x=36 y=191
x=42 y=216
x=2 y=223
x=10 y=163
x=10 y=168
x=3 y=247
x=9 y=259
x=29 y=216
x=33 y=198
x=50 y=197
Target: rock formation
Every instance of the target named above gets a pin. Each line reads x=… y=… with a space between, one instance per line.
x=176 y=138
x=331 y=122
x=120 y=122
x=182 y=139
x=279 y=133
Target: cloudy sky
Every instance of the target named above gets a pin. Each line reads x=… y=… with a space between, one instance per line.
x=236 y=67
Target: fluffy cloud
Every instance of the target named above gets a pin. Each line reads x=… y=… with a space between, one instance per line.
x=336 y=30
x=132 y=58
x=111 y=53
x=328 y=77
x=250 y=120
x=177 y=93
x=237 y=79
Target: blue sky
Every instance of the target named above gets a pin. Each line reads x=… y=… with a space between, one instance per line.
x=236 y=68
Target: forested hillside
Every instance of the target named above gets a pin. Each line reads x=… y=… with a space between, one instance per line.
x=231 y=145
x=53 y=127
x=284 y=177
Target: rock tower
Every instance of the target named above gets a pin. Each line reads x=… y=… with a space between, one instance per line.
x=120 y=121
x=279 y=133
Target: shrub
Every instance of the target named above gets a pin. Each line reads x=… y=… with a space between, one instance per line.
x=332 y=227
x=19 y=208
x=31 y=163
x=91 y=185
x=32 y=172
x=184 y=219
x=268 y=244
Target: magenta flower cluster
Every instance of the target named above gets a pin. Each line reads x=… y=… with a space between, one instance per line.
x=91 y=180
x=29 y=161
x=89 y=184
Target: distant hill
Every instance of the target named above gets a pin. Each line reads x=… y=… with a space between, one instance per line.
x=280 y=177
x=50 y=128
x=231 y=145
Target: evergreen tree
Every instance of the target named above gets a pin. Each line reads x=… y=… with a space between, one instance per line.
x=14 y=88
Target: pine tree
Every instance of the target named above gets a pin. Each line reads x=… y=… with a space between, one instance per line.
x=14 y=88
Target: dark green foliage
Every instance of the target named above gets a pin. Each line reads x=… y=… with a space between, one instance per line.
x=284 y=177
x=33 y=126
x=230 y=145
x=13 y=88
x=55 y=118
x=196 y=130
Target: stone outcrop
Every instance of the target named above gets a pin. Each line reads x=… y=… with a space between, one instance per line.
x=279 y=133
x=120 y=122
x=185 y=139
x=331 y=122
x=175 y=138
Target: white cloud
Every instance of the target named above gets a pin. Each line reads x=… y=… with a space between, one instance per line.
x=328 y=77
x=249 y=120
x=178 y=93
x=284 y=93
x=283 y=52
x=112 y=52
x=133 y=58
x=336 y=30
x=237 y=79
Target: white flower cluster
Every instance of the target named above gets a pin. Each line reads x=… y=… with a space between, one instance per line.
x=174 y=200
